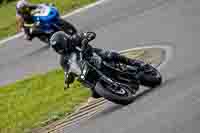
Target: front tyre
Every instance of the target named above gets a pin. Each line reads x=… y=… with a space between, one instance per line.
x=123 y=95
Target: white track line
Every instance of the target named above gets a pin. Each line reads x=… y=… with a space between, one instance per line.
x=65 y=16
x=85 y=8
x=11 y=38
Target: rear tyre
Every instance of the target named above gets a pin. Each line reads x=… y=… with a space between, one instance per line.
x=147 y=75
x=150 y=77
x=124 y=95
x=67 y=27
x=44 y=38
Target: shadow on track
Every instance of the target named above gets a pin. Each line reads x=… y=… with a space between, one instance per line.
x=108 y=111
x=38 y=51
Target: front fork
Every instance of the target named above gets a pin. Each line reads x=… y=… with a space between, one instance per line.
x=68 y=79
x=66 y=84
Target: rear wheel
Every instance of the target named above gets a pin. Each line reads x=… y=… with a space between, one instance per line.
x=67 y=27
x=44 y=38
x=147 y=75
x=120 y=94
x=150 y=77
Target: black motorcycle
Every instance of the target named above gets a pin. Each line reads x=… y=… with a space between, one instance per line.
x=115 y=81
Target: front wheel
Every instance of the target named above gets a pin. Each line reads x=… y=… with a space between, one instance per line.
x=121 y=94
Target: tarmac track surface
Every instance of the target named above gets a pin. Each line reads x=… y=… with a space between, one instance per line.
x=172 y=107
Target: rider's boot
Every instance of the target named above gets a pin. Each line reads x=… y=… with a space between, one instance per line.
x=129 y=61
x=27 y=34
x=28 y=37
x=140 y=65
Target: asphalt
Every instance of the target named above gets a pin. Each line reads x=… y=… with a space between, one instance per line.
x=171 y=108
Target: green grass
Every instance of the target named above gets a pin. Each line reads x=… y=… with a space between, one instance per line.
x=27 y=103
x=8 y=13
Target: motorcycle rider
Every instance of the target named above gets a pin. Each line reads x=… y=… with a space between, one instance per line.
x=65 y=44
x=19 y=18
x=23 y=15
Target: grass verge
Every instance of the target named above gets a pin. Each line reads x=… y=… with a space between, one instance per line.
x=7 y=13
x=27 y=103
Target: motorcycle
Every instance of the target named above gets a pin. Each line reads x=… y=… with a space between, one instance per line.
x=115 y=81
x=46 y=20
